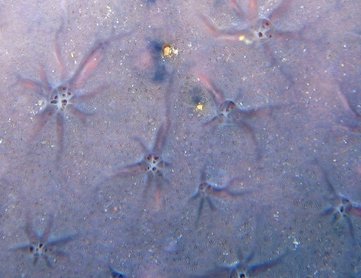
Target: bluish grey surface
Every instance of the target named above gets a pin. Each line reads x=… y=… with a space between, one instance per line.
x=250 y=135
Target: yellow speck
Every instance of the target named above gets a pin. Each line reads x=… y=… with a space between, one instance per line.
x=199 y=106
x=243 y=38
x=168 y=51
